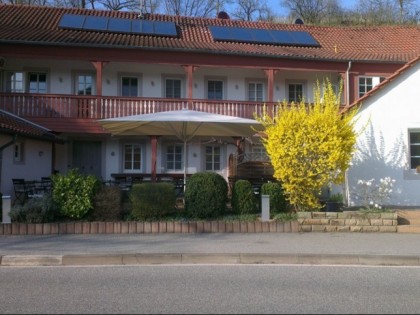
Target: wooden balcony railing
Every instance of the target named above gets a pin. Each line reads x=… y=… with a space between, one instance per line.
x=101 y=107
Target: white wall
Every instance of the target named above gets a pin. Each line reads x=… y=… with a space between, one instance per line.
x=36 y=164
x=382 y=146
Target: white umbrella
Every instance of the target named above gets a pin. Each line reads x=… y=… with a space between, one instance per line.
x=184 y=124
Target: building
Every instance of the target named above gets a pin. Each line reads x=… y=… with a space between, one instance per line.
x=65 y=69
x=388 y=143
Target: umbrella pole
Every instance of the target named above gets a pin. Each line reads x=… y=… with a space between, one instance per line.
x=185 y=163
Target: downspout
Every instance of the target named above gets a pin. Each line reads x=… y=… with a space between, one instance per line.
x=346 y=180
x=348 y=84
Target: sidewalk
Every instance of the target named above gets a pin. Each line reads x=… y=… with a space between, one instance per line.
x=214 y=248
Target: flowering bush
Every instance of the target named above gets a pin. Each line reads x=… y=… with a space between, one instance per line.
x=374 y=195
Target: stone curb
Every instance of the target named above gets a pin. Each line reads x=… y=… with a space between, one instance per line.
x=202 y=258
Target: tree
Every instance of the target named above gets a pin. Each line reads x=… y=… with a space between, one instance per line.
x=309 y=146
x=198 y=8
x=253 y=10
x=311 y=11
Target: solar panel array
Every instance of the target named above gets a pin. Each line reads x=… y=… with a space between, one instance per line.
x=263 y=36
x=117 y=25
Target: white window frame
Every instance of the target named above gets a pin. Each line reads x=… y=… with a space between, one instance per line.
x=259 y=153
x=130 y=76
x=132 y=168
x=11 y=84
x=248 y=90
x=175 y=78
x=76 y=76
x=296 y=82
x=215 y=79
x=213 y=155
x=38 y=73
x=172 y=167
x=411 y=145
x=19 y=152
x=366 y=87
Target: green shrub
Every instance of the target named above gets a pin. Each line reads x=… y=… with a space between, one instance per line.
x=73 y=193
x=243 y=199
x=107 y=204
x=206 y=195
x=277 y=199
x=35 y=210
x=152 y=200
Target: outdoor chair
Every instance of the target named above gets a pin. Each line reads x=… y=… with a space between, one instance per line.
x=46 y=184
x=21 y=192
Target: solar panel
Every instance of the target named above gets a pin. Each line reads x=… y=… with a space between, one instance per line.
x=72 y=21
x=96 y=23
x=117 y=25
x=165 y=28
x=262 y=36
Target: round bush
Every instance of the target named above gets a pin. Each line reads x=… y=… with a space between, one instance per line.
x=243 y=199
x=206 y=195
x=278 y=201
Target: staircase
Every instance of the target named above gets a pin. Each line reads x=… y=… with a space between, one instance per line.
x=408 y=221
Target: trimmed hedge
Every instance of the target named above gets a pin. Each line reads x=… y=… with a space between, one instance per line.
x=243 y=199
x=152 y=200
x=206 y=195
x=278 y=201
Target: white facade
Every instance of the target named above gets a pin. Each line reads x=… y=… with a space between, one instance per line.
x=384 y=122
x=33 y=162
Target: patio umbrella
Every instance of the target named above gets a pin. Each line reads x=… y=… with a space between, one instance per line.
x=184 y=124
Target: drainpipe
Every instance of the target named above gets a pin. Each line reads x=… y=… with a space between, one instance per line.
x=346 y=180
x=348 y=84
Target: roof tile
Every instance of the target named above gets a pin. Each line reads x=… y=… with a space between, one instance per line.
x=26 y=24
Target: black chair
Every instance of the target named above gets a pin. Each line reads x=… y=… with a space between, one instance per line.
x=46 y=184
x=21 y=192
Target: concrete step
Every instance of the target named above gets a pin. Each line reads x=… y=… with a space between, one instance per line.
x=408 y=217
x=408 y=228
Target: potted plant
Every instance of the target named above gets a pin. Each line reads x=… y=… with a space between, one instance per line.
x=334 y=202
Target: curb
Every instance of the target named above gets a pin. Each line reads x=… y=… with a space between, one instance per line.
x=202 y=258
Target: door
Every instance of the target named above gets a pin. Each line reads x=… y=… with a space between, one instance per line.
x=87 y=157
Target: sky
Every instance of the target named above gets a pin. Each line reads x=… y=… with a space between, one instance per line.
x=275 y=5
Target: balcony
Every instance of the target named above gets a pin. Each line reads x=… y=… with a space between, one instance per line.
x=101 y=107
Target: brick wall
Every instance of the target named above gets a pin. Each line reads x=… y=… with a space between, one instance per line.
x=347 y=221
x=146 y=227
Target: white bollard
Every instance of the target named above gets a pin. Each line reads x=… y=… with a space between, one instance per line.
x=265 y=208
x=6 y=204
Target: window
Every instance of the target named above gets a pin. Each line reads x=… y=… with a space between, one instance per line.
x=174 y=153
x=129 y=86
x=84 y=84
x=172 y=88
x=18 y=152
x=214 y=90
x=368 y=83
x=295 y=92
x=14 y=82
x=414 y=149
x=37 y=82
x=213 y=158
x=132 y=157
x=255 y=91
x=259 y=153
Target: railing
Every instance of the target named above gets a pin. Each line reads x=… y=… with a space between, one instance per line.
x=101 y=107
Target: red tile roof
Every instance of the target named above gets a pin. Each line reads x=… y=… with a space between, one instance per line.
x=384 y=83
x=39 y=25
x=12 y=124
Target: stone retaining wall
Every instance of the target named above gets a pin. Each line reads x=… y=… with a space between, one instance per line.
x=146 y=227
x=347 y=221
